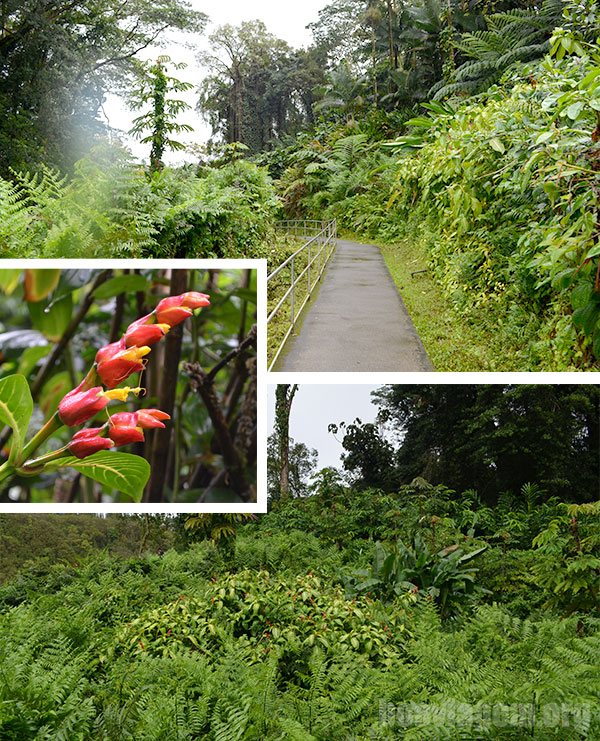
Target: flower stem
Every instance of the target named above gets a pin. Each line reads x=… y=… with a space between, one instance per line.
x=35 y=466
x=6 y=472
x=53 y=424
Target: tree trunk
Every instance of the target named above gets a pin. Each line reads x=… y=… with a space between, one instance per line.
x=284 y=396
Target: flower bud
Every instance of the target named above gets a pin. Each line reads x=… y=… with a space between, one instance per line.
x=151 y=418
x=116 y=362
x=175 y=309
x=144 y=332
x=89 y=441
x=80 y=405
x=124 y=428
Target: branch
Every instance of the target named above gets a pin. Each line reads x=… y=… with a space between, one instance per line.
x=168 y=388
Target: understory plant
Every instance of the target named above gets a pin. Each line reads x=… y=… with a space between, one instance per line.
x=444 y=576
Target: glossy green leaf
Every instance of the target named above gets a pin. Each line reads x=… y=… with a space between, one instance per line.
x=40 y=283
x=587 y=317
x=52 y=319
x=581 y=295
x=574 y=110
x=121 y=471
x=9 y=280
x=30 y=358
x=16 y=407
x=121 y=284
x=497 y=145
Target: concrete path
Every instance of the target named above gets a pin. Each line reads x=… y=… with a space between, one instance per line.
x=357 y=322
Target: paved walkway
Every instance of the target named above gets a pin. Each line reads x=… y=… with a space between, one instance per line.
x=357 y=322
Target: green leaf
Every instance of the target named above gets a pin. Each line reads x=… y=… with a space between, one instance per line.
x=587 y=317
x=121 y=471
x=544 y=136
x=121 y=284
x=40 y=283
x=581 y=295
x=9 y=280
x=245 y=294
x=497 y=145
x=16 y=406
x=52 y=319
x=574 y=110
x=29 y=359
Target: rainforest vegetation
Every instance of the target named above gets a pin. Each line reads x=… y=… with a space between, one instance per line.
x=463 y=137
x=363 y=605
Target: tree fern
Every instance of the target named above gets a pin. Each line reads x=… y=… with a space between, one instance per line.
x=518 y=35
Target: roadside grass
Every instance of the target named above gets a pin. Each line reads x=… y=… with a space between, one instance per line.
x=452 y=341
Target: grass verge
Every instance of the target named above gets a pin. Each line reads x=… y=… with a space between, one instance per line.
x=450 y=341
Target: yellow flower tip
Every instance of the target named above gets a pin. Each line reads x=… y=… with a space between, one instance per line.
x=136 y=353
x=121 y=394
x=165 y=327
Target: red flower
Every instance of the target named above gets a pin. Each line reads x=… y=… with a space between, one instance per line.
x=89 y=441
x=144 y=332
x=176 y=309
x=124 y=428
x=150 y=418
x=81 y=404
x=116 y=362
x=128 y=427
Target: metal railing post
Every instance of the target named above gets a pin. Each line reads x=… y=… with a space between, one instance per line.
x=322 y=235
x=293 y=285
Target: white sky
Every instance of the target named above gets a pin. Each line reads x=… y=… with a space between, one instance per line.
x=315 y=406
x=286 y=20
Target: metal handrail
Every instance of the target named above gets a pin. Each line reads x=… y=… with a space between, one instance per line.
x=324 y=241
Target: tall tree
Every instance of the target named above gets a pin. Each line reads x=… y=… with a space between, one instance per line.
x=302 y=463
x=258 y=88
x=284 y=396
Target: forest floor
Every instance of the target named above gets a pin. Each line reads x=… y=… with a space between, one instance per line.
x=357 y=321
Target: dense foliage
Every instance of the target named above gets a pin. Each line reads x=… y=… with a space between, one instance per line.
x=110 y=207
x=272 y=640
x=493 y=439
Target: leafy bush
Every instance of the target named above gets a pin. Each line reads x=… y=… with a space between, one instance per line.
x=269 y=613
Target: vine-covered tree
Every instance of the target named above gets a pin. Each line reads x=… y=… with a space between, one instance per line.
x=160 y=121
x=57 y=61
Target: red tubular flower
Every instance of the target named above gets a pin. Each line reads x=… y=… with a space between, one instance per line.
x=128 y=427
x=124 y=428
x=151 y=418
x=144 y=332
x=175 y=309
x=89 y=441
x=116 y=362
x=80 y=405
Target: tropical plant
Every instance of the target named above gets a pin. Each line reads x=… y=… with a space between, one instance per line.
x=444 y=576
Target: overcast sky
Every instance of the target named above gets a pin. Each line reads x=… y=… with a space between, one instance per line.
x=287 y=20
x=315 y=406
